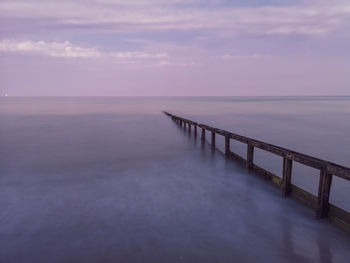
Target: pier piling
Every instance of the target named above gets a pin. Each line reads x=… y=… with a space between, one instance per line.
x=324 y=190
x=227 y=145
x=203 y=135
x=213 y=139
x=287 y=176
x=250 y=156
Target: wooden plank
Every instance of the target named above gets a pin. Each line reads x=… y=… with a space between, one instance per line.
x=303 y=196
x=338 y=170
x=339 y=217
x=250 y=156
x=213 y=139
x=287 y=176
x=324 y=189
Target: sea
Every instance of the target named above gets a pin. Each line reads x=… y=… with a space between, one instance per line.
x=113 y=179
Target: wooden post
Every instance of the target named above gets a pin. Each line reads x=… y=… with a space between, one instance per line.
x=250 y=156
x=287 y=175
x=227 y=145
x=189 y=127
x=213 y=139
x=195 y=130
x=203 y=134
x=324 y=189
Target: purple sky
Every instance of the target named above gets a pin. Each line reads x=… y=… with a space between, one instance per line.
x=174 y=47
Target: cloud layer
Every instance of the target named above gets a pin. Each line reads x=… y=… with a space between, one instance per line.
x=309 y=18
x=201 y=35
x=67 y=50
x=53 y=49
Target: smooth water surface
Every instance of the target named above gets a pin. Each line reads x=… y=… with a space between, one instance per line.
x=114 y=180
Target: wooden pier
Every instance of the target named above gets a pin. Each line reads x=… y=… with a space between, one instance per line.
x=321 y=204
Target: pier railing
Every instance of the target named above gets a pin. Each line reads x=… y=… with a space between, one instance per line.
x=327 y=169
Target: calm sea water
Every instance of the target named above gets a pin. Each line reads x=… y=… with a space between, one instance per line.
x=105 y=179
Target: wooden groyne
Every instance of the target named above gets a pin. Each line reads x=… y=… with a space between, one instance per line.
x=327 y=170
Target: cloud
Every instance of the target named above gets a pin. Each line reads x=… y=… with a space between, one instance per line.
x=137 y=55
x=68 y=50
x=52 y=49
x=307 y=18
x=163 y=62
x=229 y=57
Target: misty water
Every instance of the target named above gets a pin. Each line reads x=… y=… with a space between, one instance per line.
x=115 y=180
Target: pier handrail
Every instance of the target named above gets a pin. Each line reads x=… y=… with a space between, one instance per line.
x=335 y=169
x=327 y=169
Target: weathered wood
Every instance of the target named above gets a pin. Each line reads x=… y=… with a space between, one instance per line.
x=324 y=189
x=227 y=145
x=335 y=169
x=303 y=196
x=339 y=217
x=213 y=139
x=327 y=171
x=250 y=156
x=338 y=170
x=203 y=134
x=287 y=176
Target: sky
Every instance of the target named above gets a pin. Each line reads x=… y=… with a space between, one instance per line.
x=174 y=47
